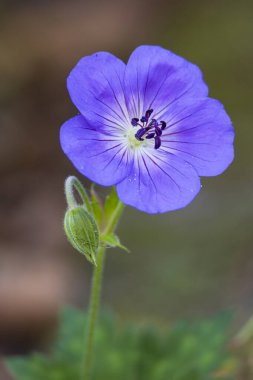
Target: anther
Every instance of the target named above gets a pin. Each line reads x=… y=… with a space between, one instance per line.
x=148 y=113
x=158 y=131
x=157 y=142
x=150 y=135
x=141 y=132
x=163 y=125
x=134 y=121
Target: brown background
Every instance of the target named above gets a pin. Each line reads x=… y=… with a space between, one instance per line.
x=185 y=264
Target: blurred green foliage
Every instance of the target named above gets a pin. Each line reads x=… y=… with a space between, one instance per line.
x=186 y=351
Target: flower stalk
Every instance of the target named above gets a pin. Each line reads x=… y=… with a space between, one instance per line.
x=93 y=313
x=96 y=293
x=90 y=229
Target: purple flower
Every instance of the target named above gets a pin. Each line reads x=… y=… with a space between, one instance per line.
x=147 y=127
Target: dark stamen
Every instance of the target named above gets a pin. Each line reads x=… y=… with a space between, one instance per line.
x=157 y=142
x=134 y=121
x=140 y=133
x=154 y=123
x=148 y=113
x=158 y=131
x=163 y=125
x=146 y=125
x=150 y=135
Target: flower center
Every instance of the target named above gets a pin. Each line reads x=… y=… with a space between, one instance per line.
x=150 y=129
x=134 y=142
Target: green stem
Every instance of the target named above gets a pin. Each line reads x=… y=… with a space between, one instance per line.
x=93 y=312
x=72 y=183
x=95 y=294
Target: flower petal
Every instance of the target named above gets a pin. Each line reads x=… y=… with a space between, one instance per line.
x=95 y=87
x=156 y=77
x=101 y=157
x=200 y=132
x=158 y=183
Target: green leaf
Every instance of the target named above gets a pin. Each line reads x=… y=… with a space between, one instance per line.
x=111 y=203
x=112 y=210
x=112 y=240
x=186 y=351
x=97 y=207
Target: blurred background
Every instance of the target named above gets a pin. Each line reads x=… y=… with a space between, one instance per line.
x=191 y=263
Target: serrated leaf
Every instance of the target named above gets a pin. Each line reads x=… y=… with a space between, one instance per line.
x=186 y=351
x=112 y=240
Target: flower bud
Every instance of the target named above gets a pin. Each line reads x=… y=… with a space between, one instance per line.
x=82 y=232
